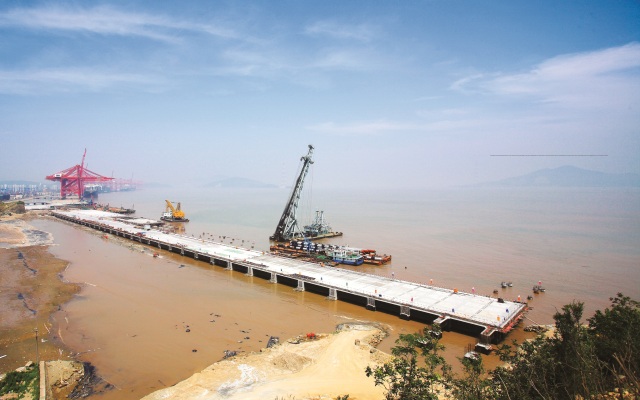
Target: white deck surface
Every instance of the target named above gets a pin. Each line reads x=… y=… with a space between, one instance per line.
x=473 y=308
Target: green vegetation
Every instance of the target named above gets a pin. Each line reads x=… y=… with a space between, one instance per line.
x=600 y=360
x=22 y=383
x=404 y=378
x=15 y=207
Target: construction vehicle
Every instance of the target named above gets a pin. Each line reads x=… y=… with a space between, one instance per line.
x=173 y=214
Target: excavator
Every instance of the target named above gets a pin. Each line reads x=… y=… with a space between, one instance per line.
x=173 y=214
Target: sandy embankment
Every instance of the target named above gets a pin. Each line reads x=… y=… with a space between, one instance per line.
x=332 y=365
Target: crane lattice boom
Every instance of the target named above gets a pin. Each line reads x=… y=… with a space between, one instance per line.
x=288 y=226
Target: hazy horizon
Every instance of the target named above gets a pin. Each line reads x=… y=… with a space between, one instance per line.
x=416 y=94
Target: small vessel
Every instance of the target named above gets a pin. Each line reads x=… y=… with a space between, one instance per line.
x=538 y=289
x=346 y=256
x=121 y=210
x=373 y=258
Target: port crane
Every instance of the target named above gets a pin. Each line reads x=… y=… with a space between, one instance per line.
x=72 y=180
x=288 y=227
x=173 y=214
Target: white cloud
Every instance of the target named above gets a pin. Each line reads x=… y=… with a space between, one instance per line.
x=359 y=32
x=105 y=20
x=595 y=79
x=361 y=128
x=44 y=81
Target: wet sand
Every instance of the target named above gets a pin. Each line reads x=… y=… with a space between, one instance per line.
x=30 y=292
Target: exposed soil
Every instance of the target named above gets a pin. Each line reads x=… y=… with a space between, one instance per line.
x=30 y=291
x=318 y=367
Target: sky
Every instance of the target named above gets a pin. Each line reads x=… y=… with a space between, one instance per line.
x=392 y=94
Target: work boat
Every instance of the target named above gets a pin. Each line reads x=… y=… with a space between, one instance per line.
x=346 y=256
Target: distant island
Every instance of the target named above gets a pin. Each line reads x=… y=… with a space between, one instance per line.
x=239 y=183
x=569 y=176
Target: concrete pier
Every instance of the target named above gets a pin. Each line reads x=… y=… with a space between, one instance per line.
x=487 y=318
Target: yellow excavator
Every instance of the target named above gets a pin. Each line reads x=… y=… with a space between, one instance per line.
x=173 y=214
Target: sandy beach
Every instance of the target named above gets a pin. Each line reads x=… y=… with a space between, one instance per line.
x=326 y=367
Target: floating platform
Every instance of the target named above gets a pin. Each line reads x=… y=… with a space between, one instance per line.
x=477 y=315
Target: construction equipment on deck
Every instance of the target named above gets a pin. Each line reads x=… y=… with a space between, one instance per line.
x=173 y=214
x=288 y=227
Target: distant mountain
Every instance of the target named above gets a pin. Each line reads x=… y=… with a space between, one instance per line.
x=569 y=176
x=239 y=183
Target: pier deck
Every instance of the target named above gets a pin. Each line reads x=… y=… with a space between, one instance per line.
x=486 y=317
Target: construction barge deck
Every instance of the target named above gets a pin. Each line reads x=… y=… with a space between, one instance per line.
x=485 y=317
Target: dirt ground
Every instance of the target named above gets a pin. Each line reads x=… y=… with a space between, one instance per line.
x=324 y=368
x=30 y=291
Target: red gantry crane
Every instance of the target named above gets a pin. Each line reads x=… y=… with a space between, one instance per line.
x=72 y=180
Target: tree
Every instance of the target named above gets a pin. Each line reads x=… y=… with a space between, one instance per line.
x=563 y=366
x=404 y=378
x=474 y=385
x=616 y=333
x=600 y=360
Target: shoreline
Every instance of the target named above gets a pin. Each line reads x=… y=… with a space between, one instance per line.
x=206 y=334
x=55 y=322
x=31 y=292
x=34 y=291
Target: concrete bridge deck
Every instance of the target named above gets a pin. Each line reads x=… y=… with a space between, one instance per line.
x=489 y=318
